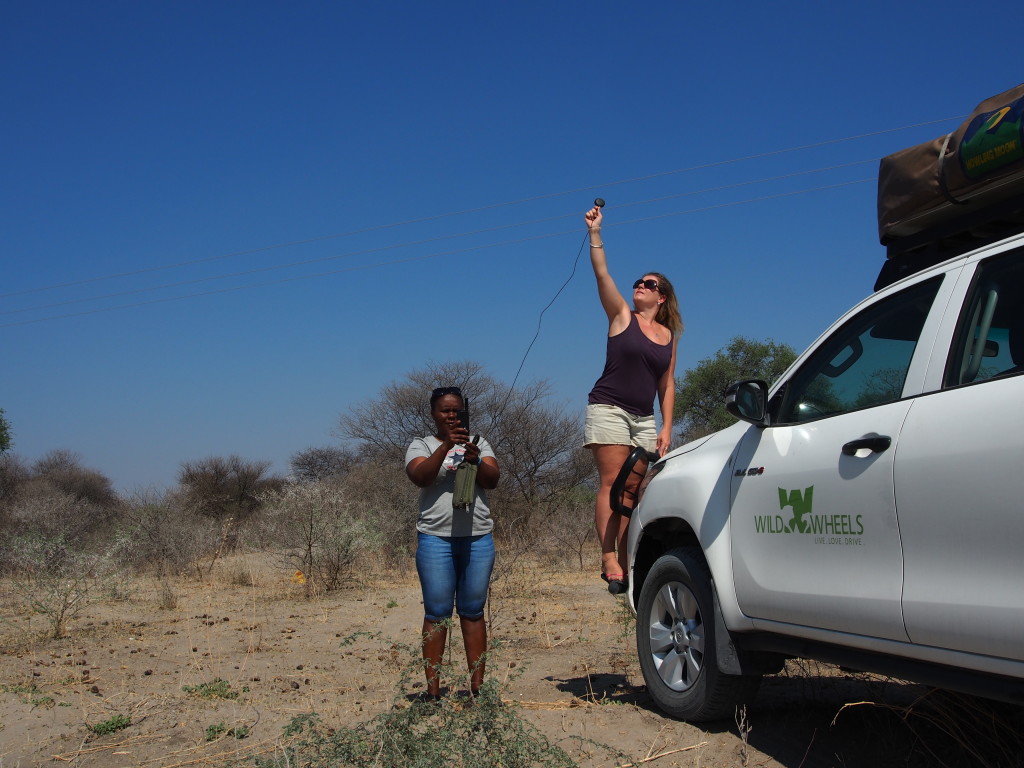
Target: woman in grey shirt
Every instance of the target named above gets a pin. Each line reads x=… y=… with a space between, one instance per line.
x=455 y=549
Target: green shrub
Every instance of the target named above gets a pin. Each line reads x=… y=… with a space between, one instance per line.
x=215 y=731
x=111 y=725
x=215 y=689
x=461 y=731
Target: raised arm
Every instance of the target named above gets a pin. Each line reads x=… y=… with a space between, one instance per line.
x=614 y=305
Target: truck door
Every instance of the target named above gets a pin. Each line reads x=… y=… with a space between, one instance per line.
x=959 y=479
x=815 y=534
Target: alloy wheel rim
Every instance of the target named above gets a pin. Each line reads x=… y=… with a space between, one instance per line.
x=676 y=632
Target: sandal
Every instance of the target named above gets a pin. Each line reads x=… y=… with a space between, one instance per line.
x=617 y=583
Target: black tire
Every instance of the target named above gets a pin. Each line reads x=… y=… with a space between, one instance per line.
x=675 y=639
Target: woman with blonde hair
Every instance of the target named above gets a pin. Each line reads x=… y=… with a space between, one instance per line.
x=640 y=364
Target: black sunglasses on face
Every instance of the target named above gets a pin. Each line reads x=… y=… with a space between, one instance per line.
x=649 y=284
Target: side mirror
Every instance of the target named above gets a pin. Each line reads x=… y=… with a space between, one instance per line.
x=746 y=400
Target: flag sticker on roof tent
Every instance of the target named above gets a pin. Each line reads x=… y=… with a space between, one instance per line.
x=993 y=140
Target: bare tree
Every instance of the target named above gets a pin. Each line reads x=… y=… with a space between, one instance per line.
x=49 y=513
x=14 y=474
x=383 y=499
x=64 y=471
x=386 y=425
x=318 y=465
x=56 y=496
x=52 y=553
x=537 y=443
x=157 y=533
x=569 y=528
x=54 y=577
x=314 y=527
x=226 y=488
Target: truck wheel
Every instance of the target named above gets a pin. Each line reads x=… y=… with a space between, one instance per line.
x=675 y=638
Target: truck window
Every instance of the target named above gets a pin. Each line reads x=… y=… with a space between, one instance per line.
x=989 y=342
x=862 y=364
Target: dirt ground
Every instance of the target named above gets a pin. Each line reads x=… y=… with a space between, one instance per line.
x=565 y=658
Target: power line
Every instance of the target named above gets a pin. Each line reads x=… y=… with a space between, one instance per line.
x=435 y=255
x=425 y=241
x=492 y=206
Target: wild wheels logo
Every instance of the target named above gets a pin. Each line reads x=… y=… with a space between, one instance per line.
x=844 y=530
x=801 y=504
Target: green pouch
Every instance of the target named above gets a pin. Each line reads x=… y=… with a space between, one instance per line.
x=465 y=485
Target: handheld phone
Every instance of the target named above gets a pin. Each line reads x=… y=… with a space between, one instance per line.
x=464 y=415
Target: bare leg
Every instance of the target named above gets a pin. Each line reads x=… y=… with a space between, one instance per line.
x=434 y=636
x=474 y=635
x=611 y=527
x=623 y=536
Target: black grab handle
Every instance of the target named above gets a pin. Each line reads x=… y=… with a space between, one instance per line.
x=620 y=491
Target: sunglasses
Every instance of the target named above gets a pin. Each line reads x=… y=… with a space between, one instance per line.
x=442 y=391
x=649 y=284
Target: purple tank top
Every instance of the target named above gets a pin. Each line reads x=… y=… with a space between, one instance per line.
x=632 y=369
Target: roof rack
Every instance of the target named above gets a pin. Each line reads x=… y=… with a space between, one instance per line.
x=910 y=254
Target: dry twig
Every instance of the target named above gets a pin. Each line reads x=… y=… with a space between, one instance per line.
x=663 y=754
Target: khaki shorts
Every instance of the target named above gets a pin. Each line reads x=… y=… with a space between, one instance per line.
x=610 y=425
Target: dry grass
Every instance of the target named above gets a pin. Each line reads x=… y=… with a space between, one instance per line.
x=566 y=662
x=955 y=729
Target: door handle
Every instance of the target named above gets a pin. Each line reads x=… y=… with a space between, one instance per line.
x=875 y=443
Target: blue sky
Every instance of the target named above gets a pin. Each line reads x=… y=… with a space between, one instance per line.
x=226 y=223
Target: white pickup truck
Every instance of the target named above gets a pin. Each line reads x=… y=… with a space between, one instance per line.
x=868 y=508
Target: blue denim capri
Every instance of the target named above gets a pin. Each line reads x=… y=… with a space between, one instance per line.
x=455 y=572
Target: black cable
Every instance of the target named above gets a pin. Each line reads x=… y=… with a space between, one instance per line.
x=540 y=319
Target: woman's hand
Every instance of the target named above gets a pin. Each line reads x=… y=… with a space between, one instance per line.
x=487 y=472
x=664 y=440
x=472 y=453
x=452 y=434
x=593 y=218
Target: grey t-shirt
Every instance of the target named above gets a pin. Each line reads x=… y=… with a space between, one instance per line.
x=437 y=515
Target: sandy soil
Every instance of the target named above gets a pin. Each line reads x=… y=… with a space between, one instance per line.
x=566 y=658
